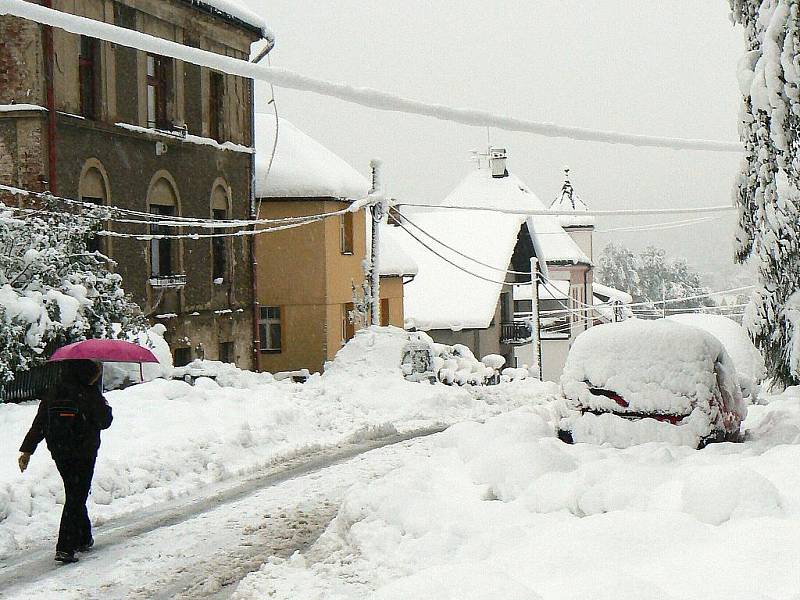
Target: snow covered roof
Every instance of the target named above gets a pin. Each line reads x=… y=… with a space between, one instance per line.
x=450 y=296
x=609 y=293
x=233 y=10
x=568 y=200
x=394 y=260
x=302 y=168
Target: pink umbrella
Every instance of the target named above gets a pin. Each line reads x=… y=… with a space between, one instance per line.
x=104 y=351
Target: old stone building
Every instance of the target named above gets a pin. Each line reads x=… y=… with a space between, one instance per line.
x=107 y=124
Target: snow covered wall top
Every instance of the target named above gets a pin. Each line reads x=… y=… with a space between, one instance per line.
x=302 y=167
x=233 y=9
x=656 y=366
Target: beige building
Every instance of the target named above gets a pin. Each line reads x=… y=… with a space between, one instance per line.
x=107 y=124
x=307 y=274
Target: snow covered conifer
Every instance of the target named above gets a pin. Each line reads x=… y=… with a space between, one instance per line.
x=767 y=188
x=53 y=289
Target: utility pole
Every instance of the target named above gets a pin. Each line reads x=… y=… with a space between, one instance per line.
x=378 y=212
x=536 y=338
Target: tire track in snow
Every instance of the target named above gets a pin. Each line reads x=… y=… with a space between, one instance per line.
x=129 y=531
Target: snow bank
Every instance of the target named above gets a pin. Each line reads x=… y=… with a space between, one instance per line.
x=657 y=367
x=117 y=375
x=747 y=359
x=172 y=439
x=504 y=509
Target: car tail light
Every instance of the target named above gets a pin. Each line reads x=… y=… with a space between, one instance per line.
x=612 y=395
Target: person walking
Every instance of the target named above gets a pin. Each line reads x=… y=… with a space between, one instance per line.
x=70 y=418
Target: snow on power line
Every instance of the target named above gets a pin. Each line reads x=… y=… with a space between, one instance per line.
x=368 y=97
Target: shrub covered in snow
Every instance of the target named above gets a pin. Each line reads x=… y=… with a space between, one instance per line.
x=415 y=356
x=53 y=290
x=675 y=373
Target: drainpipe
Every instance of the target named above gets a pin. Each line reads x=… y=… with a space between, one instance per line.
x=254 y=210
x=49 y=73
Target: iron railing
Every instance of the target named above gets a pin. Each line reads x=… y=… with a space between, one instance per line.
x=30 y=385
x=515 y=333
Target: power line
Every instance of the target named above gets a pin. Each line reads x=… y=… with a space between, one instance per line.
x=370 y=98
x=566 y=213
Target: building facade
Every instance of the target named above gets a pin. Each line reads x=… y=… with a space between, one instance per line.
x=306 y=274
x=106 y=124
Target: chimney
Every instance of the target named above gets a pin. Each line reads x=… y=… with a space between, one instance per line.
x=497 y=160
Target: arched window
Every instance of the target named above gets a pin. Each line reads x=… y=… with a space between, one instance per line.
x=94 y=189
x=162 y=199
x=220 y=246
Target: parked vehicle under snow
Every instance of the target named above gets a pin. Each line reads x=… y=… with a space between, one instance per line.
x=646 y=381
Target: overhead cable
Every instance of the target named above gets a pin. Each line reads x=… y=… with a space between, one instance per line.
x=370 y=98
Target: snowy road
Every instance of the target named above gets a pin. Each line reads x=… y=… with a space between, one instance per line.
x=200 y=548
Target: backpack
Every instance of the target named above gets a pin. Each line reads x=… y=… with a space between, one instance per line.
x=66 y=425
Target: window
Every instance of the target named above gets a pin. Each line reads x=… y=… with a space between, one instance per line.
x=183 y=356
x=384 y=312
x=219 y=250
x=346 y=231
x=216 y=107
x=89 y=72
x=161 y=249
x=348 y=325
x=226 y=352
x=93 y=242
x=269 y=329
x=159 y=72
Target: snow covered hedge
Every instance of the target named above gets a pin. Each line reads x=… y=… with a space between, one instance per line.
x=53 y=290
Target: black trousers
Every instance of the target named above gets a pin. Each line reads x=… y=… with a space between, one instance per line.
x=76 y=472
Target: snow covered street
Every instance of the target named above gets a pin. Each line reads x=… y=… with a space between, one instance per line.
x=505 y=510
x=199 y=548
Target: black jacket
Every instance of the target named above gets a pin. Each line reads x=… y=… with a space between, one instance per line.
x=92 y=405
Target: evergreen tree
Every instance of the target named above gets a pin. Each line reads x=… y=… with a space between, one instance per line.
x=767 y=188
x=53 y=289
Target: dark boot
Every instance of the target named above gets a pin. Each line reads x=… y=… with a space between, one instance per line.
x=87 y=546
x=66 y=557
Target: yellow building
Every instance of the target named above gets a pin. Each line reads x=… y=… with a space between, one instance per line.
x=306 y=275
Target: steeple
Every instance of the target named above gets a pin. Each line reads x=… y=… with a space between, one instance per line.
x=568 y=200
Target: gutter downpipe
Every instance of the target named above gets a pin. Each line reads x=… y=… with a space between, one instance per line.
x=49 y=74
x=254 y=211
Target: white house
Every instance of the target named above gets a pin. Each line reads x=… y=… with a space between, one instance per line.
x=471 y=261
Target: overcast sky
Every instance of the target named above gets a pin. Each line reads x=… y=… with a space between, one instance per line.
x=638 y=66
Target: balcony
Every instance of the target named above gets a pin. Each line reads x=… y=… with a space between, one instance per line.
x=515 y=333
x=168 y=282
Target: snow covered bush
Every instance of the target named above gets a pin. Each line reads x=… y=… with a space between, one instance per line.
x=767 y=187
x=53 y=289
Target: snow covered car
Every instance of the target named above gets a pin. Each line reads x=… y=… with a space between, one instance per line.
x=747 y=360
x=650 y=381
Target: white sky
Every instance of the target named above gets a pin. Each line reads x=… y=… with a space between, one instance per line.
x=639 y=66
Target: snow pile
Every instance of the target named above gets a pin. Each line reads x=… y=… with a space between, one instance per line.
x=118 y=375
x=393 y=351
x=302 y=167
x=657 y=367
x=504 y=509
x=170 y=438
x=746 y=358
x=234 y=8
